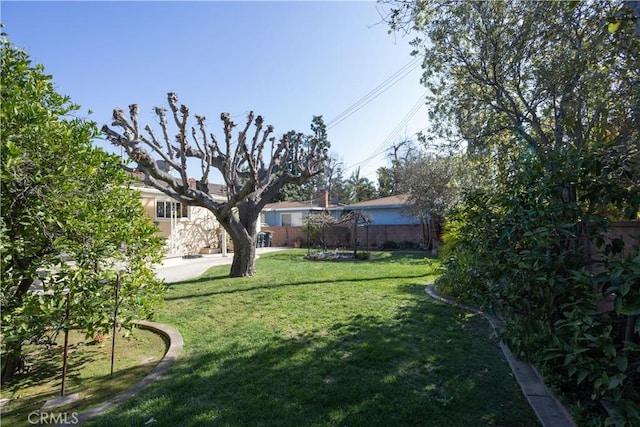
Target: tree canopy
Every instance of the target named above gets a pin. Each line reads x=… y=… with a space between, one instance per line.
x=69 y=224
x=545 y=74
x=310 y=188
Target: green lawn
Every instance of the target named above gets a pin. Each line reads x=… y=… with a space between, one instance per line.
x=321 y=343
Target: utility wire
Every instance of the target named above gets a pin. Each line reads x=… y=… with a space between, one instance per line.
x=384 y=145
x=380 y=89
x=412 y=112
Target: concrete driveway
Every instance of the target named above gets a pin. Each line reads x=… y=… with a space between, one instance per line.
x=177 y=268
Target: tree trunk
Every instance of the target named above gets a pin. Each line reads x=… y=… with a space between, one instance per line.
x=11 y=362
x=242 y=230
x=427 y=235
x=244 y=258
x=12 y=359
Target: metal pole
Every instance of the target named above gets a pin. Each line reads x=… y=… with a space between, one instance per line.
x=115 y=322
x=223 y=243
x=66 y=344
x=355 y=236
x=309 y=233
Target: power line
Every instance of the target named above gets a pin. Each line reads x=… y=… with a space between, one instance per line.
x=373 y=94
x=380 y=149
x=412 y=112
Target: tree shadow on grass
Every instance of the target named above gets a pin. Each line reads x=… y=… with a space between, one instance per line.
x=297 y=257
x=428 y=365
x=105 y=387
x=263 y=286
x=200 y=279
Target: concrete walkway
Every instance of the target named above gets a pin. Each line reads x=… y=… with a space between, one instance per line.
x=176 y=269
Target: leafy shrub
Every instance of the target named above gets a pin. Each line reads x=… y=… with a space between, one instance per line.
x=518 y=250
x=389 y=244
x=408 y=244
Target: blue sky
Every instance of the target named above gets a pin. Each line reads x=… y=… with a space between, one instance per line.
x=286 y=61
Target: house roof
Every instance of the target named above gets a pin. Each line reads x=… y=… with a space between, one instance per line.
x=293 y=205
x=387 y=202
x=214 y=189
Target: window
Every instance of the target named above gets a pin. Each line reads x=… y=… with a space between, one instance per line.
x=169 y=209
x=286 y=220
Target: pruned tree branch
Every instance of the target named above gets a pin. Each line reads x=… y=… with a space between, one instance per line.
x=250 y=179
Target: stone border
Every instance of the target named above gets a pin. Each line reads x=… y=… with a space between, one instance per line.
x=175 y=346
x=549 y=410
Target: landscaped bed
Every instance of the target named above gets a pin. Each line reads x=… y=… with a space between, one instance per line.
x=315 y=343
x=337 y=255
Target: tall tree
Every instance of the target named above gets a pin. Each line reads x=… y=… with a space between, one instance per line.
x=543 y=74
x=336 y=182
x=254 y=168
x=516 y=79
x=386 y=181
x=359 y=188
x=311 y=188
x=63 y=200
x=389 y=176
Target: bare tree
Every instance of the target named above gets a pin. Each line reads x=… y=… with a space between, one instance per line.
x=251 y=181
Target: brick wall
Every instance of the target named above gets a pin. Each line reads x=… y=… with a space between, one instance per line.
x=376 y=235
x=285 y=236
x=371 y=236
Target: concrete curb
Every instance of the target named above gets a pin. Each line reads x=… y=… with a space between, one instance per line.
x=175 y=346
x=549 y=410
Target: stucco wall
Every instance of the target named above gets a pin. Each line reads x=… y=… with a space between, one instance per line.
x=189 y=235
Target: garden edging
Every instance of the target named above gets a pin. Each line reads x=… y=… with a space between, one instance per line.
x=549 y=410
x=175 y=346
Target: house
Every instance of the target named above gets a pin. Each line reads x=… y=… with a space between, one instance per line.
x=390 y=210
x=288 y=214
x=389 y=221
x=284 y=220
x=188 y=230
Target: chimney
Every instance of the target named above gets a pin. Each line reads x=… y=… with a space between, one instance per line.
x=192 y=183
x=324 y=199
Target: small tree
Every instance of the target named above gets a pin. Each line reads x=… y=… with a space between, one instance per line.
x=433 y=188
x=63 y=200
x=349 y=220
x=251 y=181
